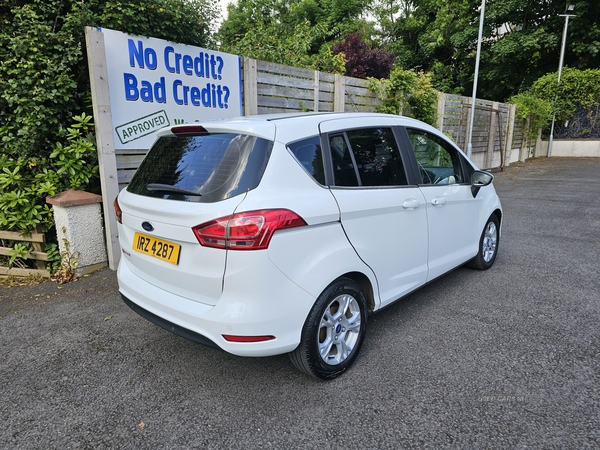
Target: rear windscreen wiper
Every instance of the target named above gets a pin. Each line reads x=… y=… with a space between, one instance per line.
x=152 y=187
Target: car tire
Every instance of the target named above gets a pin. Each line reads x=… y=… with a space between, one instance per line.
x=488 y=245
x=333 y=331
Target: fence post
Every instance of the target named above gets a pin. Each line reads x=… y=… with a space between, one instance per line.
x=79 y=229
x=316 y=91
x=525 y=144
x=510 y=134
x=538 y=144
x=489 y=157
x=250 y=87
x=339 y=94
x=441 y=110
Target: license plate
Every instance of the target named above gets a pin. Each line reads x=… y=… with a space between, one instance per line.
x=163 y=250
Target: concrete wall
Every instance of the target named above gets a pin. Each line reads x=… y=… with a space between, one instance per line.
x=581 y=148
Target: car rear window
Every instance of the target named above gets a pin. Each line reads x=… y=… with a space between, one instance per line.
x=206 y=168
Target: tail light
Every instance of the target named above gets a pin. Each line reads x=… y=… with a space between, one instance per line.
x=118 y=211
x=250 y=230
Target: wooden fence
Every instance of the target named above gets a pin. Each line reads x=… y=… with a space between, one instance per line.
x=275 y=88
x=497 y=138
x=37 y=239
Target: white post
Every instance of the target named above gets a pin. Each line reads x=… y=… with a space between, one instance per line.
x=107 y=159
x=510 y=134
x=560 y=65
x=477 y=58
x=80 y=237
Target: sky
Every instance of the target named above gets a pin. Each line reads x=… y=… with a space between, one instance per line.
x=224 y=4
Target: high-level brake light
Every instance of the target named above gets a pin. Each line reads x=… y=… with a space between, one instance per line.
x=188 y=129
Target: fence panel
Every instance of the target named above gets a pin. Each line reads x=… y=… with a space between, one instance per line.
x=358 y=97
x=37 y=239
x=283 y=89
x=276 y=88
x=492 y=124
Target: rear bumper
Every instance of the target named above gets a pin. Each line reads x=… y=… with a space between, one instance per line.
x=257 y=300
x=170 y=326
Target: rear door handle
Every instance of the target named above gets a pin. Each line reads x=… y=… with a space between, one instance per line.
x=411 y=203
x=438 y=201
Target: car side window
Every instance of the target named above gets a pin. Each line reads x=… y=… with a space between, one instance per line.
x=372 y=158
x=439 y=162
x=309 y=155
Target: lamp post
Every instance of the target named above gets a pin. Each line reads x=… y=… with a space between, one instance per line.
x=476 y=76
x=567 y=15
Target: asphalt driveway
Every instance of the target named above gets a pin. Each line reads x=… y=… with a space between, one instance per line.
x=507 y=358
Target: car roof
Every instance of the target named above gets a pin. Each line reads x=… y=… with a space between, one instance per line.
x=288 y=127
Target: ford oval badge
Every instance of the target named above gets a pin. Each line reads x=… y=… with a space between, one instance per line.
x=147 y=226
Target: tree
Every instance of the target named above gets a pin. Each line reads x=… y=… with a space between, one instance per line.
x=521 y=41
x=265 y=43
x=292 y=32
x=361 y=61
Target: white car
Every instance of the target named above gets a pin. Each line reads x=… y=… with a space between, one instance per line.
x=281 y=233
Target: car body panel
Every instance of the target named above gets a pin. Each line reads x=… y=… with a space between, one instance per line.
x=199 y=273
x=453 y=226
x=388 y=229
x=251 y=305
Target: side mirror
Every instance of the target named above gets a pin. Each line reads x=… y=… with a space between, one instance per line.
x=480 y=179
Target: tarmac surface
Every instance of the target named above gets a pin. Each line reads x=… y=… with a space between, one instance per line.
x=506 y=358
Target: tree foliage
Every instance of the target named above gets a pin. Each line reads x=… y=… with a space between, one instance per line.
x=339 y=17
x=265 y=43
x=362 y=61
x=578 y=90
x=46 y=128
x=521 y=41
x=534 y=112
x=408 y=93
x=298 y=33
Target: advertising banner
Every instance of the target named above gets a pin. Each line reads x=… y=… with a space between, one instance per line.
x=155 y=83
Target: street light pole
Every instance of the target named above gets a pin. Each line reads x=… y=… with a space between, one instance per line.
x=567 y=16
x=476 y=76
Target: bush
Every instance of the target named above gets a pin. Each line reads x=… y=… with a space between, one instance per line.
x=579 y=90
x=362 y=61
x=576 y=88
x=535 y=112
x=409 y=93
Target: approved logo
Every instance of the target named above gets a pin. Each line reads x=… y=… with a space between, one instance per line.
x=142 y=127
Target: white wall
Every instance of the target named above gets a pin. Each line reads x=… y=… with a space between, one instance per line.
x=576 y=148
